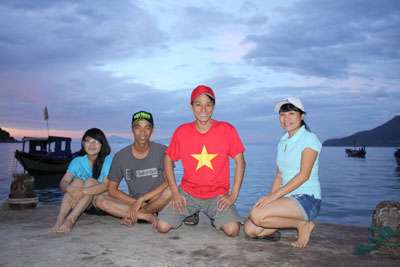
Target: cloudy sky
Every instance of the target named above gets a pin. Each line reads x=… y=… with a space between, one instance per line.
x=95 y=62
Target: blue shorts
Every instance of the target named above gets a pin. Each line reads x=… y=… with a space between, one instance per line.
x=308 y=205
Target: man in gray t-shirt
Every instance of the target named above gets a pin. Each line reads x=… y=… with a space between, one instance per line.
x=141 y=175
x=142 y=166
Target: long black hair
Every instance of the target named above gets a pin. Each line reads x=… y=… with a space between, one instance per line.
x=105 y=150
x=291 y=107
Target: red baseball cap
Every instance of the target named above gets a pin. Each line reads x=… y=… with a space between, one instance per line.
x=201 y=89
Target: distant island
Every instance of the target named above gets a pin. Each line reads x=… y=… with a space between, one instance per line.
x=6 y=138
x=121 y=140
x=118 y=139
x=386 y=135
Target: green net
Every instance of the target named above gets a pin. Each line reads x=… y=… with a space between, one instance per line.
x=384 y=234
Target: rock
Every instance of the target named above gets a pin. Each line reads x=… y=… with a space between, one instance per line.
x=22 y=192
x=387 y=213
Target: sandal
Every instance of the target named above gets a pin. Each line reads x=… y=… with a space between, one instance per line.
x=192 y=220
x=212 y=223
x=269 y=238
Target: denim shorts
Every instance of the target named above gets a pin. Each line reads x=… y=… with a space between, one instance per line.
x=308 y=205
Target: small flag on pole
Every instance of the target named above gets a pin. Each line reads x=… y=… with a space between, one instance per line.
x=46 y=114
x=46 y=118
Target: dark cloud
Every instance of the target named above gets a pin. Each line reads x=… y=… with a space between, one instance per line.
x=62 y=54
x=73 y=33
x=328 y=38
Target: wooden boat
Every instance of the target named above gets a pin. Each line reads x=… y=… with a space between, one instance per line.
x=47 y=158
x=359 y=153
x=397 y=156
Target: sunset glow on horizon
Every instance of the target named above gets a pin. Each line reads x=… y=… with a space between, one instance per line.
x=94 y=65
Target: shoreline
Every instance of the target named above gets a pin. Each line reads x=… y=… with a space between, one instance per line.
x=101 y=240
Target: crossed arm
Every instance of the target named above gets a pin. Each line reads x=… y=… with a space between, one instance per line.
x=134 y=204
x=77 y=193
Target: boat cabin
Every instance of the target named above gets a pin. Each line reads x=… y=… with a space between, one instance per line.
x=53 y=146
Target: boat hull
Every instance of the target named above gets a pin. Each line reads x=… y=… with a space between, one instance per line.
x=47 y=171
x=36 y=164
x=355 y=153
x=397 y=156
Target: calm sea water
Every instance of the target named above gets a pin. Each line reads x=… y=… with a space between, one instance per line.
x=351 y=187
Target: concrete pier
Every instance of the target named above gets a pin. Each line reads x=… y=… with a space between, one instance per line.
x=102 y=241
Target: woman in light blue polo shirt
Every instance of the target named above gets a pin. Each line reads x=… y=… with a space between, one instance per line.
x=86 y=177
x=295 y=196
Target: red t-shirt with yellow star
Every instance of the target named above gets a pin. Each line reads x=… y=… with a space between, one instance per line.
x=205 y=157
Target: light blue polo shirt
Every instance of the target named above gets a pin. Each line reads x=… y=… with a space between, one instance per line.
x=289 y=160
x=80 y=168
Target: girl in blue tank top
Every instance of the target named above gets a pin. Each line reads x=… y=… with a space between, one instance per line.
x=85 y=178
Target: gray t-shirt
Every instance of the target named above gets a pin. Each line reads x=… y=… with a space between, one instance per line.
x=141 y=175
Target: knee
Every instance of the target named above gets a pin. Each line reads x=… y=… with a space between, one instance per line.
x=248 y=228
x=255 y=216
x=231 y=229
x=166 y=194
x=100 y=202
x=163 y=227
x=90 y=182
x=78 y=182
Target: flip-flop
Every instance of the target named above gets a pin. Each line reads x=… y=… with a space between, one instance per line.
x=192 y=220
x=212 y=223
x=269 y=238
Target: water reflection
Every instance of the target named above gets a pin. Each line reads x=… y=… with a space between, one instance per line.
x=351 y=187
x=49 y=194
x=398 y=171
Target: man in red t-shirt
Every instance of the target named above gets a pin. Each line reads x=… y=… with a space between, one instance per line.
x=204 y=147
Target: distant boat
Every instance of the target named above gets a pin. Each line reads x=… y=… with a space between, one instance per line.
x=359 y=153
x=47 y=158
x=397 y=156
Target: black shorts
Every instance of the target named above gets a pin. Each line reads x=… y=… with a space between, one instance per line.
x=92 y=210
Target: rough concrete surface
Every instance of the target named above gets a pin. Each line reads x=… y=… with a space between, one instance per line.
x=102 y=241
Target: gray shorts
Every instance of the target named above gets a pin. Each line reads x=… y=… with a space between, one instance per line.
x=193 y=204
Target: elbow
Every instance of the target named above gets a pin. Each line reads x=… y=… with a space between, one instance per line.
x=304 y=177
x=105 y=184
x=112 y=192
x=63 y=185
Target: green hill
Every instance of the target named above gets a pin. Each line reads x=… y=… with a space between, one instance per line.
x=388 y=134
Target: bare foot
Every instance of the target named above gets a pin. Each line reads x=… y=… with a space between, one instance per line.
x=304 y=233
x=66 y=227
x=153 y=220
x=126 y=222
x=54 y=229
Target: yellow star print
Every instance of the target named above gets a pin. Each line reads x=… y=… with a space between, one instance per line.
x=204 y=158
